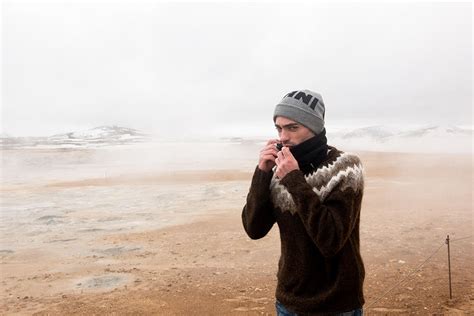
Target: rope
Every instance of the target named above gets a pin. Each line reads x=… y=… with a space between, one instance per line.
x=450 y=241
x=402 y=280
x=413 y=271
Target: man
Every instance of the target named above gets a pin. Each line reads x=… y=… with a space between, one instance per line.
x=313 y=192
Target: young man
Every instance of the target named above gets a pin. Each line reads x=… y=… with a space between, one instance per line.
x=313 y=192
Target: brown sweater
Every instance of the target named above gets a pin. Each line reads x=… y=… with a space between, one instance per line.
x=320 y=271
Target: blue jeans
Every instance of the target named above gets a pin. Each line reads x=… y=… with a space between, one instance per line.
x=282 y=311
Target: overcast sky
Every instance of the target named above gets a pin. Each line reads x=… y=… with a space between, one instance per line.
x=192 y=68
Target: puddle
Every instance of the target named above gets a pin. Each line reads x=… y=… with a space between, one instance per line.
x=116 y=250
x=90 y=230
x=61 y=240
x=50 y=219
x=110 y=219
x=102 y=282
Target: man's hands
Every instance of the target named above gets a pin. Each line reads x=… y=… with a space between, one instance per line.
x=268 y=155
x=284 y=160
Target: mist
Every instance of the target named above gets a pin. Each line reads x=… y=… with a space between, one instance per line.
x=181 y=69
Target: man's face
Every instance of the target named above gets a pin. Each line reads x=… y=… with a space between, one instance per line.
x=290 y=132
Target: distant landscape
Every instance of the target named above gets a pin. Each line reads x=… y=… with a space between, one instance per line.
x=433 y=138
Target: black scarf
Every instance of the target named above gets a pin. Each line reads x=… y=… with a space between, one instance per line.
x=311 y=153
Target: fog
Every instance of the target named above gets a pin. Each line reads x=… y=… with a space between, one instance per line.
x=219 y=68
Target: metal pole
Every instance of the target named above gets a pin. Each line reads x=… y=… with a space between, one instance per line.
x=449 y=268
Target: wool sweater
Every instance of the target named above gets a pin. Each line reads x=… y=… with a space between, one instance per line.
x=320 y=271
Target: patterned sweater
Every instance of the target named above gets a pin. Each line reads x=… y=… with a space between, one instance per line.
x=320 y=271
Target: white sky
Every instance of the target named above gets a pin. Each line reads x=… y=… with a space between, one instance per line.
x=200 y=68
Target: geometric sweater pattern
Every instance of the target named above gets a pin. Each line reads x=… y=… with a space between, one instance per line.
x=346 y=170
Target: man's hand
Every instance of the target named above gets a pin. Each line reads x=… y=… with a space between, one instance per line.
x=268 y=155
x=285 y=162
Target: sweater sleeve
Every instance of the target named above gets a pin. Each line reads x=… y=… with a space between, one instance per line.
x=257 y=215
x=329 y=223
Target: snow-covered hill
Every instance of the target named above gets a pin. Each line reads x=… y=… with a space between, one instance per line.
x=371 y=138
x=99 y=136
x=404 y=139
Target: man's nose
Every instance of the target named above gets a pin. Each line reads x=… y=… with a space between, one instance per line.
x=284 y=137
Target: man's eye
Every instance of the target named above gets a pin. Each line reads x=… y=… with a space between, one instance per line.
x=293 y=128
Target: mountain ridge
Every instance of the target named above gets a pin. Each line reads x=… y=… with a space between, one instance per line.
x=98 y=136
x=375 y=137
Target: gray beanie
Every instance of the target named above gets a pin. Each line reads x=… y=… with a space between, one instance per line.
x=305 y=107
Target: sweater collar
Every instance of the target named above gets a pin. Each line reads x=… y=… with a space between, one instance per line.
x=311 y=152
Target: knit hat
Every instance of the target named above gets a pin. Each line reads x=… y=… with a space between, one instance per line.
x=305 y=107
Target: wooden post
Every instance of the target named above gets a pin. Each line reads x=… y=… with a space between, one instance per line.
x=449 y=269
